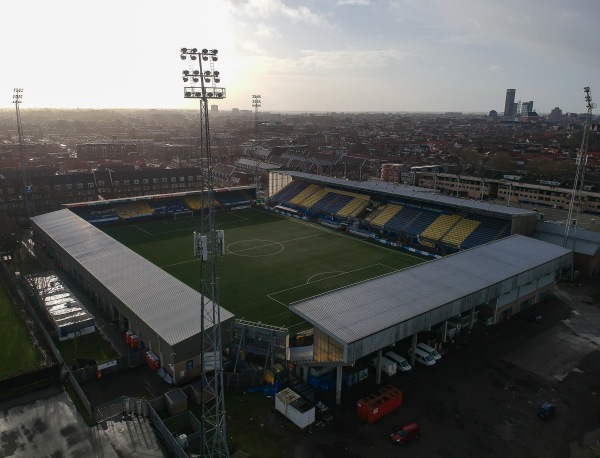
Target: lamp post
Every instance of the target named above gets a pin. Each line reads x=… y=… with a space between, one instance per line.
x=581 y=162
x=27 y=187
x=256 y=104
x=203 y=87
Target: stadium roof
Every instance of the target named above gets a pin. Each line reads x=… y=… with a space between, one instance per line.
x=167 y=305
x=358 y=311
x=411 y=192
x=583 y=241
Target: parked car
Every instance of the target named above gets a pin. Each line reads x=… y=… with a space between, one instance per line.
x=422 y=357
x=405 y=434
x=432 y=351
x=387 y=366
x=402 y=364
x=546 y=410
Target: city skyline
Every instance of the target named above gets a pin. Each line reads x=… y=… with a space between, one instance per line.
x=339 y=55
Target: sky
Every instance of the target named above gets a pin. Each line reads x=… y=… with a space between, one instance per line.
x=304 y=55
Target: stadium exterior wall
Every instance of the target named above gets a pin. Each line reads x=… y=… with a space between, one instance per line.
x=182 y=359
x=523 y=224
x=487 y=296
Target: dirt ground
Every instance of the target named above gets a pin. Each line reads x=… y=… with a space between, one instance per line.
x=481 y=400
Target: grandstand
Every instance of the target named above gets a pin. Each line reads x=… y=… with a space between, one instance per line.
x=147 y=207
x=412 y=216
x=460 y=231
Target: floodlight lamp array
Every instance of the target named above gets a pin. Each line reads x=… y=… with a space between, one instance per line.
x=208 y=76
x=18 y=95
x=200 y=93
x=205 y=54
x=588 y=98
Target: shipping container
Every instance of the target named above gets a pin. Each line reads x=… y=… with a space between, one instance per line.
x=299 y=410
x=374 y=406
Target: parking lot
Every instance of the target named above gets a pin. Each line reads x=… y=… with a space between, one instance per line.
x=482 y=399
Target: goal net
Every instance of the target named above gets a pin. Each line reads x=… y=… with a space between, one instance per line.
x=183 y=214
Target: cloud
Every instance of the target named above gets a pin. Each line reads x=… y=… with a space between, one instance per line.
x=252 y=48
x=352 y=62
x=265 y=31
x=273 y=8
x=353 y=2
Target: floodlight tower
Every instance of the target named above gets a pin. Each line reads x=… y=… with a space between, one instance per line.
x=27 y=187
x=256 y=105
x=581 y=162
x=207 y=246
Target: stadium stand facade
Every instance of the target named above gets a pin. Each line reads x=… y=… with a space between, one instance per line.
x=406 y=215
x=161 y=311
x=159 y=206
x=353 y=322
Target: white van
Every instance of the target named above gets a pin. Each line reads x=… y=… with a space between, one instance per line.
x=422 y=357
x=432 y=351
x=403 y=364
x=387 y=366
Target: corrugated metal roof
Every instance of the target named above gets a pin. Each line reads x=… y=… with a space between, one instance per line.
x=167 y=305
x=579 y=240
x=366 y=308
x=412 y=192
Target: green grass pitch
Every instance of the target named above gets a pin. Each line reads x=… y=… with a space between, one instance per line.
x=19 y=355
x=270 y=261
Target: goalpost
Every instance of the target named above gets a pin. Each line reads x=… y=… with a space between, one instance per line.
x=183 y=214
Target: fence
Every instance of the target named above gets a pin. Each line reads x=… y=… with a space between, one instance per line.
x=141 y=408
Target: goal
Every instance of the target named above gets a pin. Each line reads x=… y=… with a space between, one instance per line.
x=183 y=214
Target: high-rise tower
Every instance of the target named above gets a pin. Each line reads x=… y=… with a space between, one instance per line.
x=509 y=103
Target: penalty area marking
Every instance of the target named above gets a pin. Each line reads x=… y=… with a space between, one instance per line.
x=335 y=274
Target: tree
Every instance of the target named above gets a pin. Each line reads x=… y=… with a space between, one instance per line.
x=500 y=161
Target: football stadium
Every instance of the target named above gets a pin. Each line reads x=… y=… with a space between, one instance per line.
x=322 y=273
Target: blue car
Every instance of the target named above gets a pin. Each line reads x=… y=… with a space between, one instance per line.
x=546 y=410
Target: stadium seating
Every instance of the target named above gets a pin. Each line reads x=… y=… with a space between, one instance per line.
x=304 y=194
x=313 y=198
x=383 y=215
x=232 y=198
x=411 y=220
x=442 y=224
x=354 y=207
x=97 y=214
x=194 y=202
x=132 y=210
x=457 y=235
x=488 y=230
x=288 y=192
x=169 y=206
x=331 y=203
